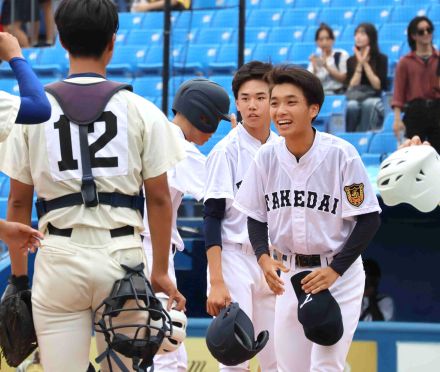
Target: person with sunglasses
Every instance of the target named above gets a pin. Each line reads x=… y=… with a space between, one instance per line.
x=416 y=90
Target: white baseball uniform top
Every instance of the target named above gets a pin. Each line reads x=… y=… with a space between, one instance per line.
x=138 y=145
x=187 y=177
x=330 y=84
x=309 y=204
x=9 y=106
x=226 y=166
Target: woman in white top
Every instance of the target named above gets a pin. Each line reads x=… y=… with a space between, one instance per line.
x=330 y=66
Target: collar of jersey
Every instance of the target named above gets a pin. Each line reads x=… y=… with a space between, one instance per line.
x=308 y=154
x=249 y=141
x=85 y=74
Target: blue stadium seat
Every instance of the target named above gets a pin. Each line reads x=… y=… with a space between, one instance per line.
x=224 y=80
x=360 y=140
x=393 y=50
x=332 y=110
x=52 y=61
x=225 y=18
x=226 y=61
x=31 y=55
x=148 y=86
x=275 y=53
x=274 y=4
x=195 y=19
x=125 y=60
x=434 y=13
x=208 y=4
x=371 y=159
x=375 y=15
x=309 y=34
x=4 y=187
x=300 y=17
x=383 y=143
x=286 y=34
x=300 y=53
x=337 y=16
x=207 y=147
x=9 y=86
x=153 y=61
x=311 y=3
x=388 y=123
x=180 y=37
x=144 y=37
x=196 y=58
x=264 y=18
x=345 y=45
x=121 y=37
x=3 y=207
x=347 y=3
x=405 y=13
x=152 y=20
x=393 y=32
x=253 y=4
x=215 y=36
x=256 y=35
x=348 y=34
x=130 y=21
x=384 y=2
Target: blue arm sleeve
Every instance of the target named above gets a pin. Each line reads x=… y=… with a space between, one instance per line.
x=34 y=106
x=213 y=214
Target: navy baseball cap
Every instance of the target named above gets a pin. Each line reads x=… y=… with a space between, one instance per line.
x=319 y=314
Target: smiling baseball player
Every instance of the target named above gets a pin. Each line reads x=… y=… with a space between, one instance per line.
x=199 y=105
x=233 y=270
x=311 y=194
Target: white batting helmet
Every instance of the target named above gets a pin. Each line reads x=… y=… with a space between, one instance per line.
x=179 y=321
x=411 y=175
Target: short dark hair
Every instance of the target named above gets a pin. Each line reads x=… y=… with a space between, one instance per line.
x=86 y=27
x=254 y=70
x=412 y=29
x=324 y=27
x=309 y=84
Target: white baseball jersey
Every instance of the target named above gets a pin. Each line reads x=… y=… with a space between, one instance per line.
x=187 y=177
x=227 y=165
x=309 y=204
x=9 y=106
x=134 y=144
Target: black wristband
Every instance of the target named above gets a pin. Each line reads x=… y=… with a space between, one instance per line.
x=20 y=282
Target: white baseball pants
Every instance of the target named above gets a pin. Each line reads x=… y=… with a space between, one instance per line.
x=294 y=351
x=72 y=277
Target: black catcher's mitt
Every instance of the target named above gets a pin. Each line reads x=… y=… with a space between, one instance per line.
x=17 y=333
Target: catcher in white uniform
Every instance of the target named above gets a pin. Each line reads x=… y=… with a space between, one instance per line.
x=199 y=105
x=234 y=274
x=87 y=165
x=310 y=193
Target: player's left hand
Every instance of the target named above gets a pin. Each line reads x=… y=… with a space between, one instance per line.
x=319 y=280
x=270 y=269
x=19 y=236
x=163 y=283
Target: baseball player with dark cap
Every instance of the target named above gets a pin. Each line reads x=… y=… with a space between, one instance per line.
x=87 y=165
x=310 y=194
x=199 y=105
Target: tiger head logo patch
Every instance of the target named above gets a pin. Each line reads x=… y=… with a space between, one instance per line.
x=355 y=194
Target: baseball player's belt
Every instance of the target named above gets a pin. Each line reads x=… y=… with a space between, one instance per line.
x=303 y=260
x=114 y=233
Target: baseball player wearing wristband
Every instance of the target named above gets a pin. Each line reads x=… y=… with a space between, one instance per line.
x=311 y=194
x=234 y=274
x=199 y=105
x=87 y=165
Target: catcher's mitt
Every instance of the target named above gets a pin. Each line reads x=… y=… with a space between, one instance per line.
x=17 y=333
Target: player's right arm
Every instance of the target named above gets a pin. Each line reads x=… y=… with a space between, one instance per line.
x=219 y=296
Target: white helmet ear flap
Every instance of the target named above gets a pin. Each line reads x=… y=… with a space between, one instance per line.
x=411 y=175
x=179 y=322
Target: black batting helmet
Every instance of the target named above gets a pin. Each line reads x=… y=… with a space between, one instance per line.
x=203 y=102
x=133 y=297
x=230 y=337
